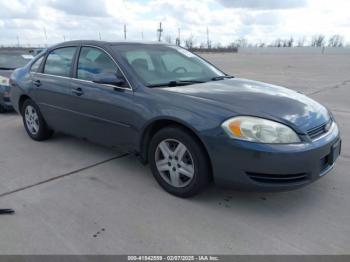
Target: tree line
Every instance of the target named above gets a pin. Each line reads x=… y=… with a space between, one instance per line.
x=320 y=40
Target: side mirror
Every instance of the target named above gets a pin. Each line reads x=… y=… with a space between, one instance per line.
x=108 y=79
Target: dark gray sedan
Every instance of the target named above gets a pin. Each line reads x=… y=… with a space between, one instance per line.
x=188 y=119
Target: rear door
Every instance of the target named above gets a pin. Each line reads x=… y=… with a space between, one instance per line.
x=53 y=87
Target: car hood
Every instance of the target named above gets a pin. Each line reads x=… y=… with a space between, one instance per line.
x=246 y=97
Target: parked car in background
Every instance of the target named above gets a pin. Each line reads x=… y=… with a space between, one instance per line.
x=36 y=51
x=189 y=120
x=10 y=59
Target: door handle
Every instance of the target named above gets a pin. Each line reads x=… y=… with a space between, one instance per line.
x=78 y=91
x=37 y=82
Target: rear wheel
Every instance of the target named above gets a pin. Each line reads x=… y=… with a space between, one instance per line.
x=179 y=162
x=34 y=122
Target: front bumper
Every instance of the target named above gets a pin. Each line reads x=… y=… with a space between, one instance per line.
x=270 y=167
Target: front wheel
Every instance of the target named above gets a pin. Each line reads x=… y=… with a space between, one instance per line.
x=34 y=122
x=179 y=162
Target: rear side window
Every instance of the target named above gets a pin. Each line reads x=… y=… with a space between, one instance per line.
x=59 y=61
x=93 y=61
x=36 y=65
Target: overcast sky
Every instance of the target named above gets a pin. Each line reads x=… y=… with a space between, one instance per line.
x=227 y=20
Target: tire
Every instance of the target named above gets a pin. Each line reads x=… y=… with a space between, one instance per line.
x=34 y=122
x=184 y=169
x=2 y=110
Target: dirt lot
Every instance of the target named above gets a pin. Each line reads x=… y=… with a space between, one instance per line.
x=74 y=197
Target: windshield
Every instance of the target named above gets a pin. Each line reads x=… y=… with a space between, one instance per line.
x=13 y=59
x=158 y=65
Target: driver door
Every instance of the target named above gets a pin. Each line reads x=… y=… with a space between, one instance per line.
x=105 y=112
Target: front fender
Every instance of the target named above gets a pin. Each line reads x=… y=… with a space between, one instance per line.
x=156 y=123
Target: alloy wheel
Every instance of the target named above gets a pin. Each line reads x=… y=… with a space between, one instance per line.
x=174 y=163
x=31 y=119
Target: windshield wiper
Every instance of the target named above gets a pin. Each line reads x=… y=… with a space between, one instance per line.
x=7 y=68
x=177 y=83
x=217 y=78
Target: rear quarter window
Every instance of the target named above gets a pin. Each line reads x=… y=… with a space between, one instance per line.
x=36 y=65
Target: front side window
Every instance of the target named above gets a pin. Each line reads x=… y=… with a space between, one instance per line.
x=59 y=61
x=93 y=61
x=157 y=65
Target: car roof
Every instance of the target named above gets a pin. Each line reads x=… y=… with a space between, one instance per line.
x=105 y=43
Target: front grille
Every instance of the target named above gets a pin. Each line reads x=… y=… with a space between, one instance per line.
x=319 y=130
x=277 y=178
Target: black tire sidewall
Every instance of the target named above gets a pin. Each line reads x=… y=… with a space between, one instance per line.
x=201 y=162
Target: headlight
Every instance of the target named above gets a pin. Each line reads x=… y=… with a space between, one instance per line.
x=259 y=130
x=4 y=81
